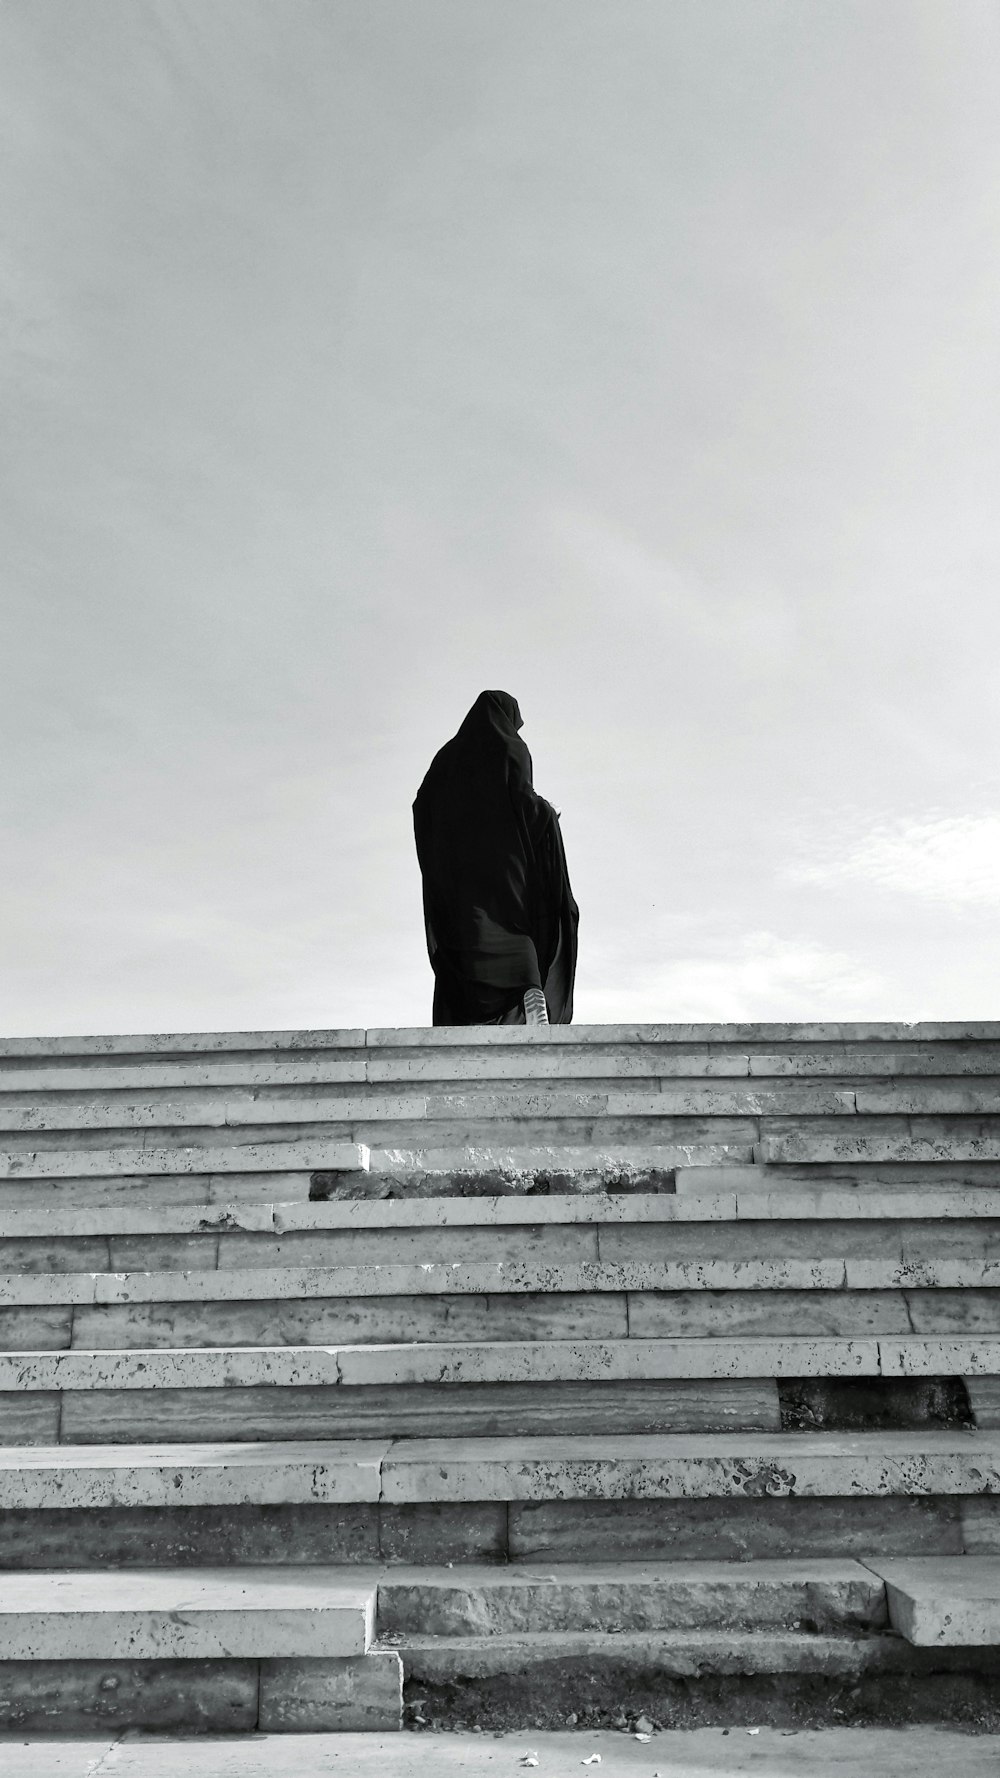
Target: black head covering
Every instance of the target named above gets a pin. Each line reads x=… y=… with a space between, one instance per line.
x=486 y=852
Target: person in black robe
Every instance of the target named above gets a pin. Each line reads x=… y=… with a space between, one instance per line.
x=499 y=912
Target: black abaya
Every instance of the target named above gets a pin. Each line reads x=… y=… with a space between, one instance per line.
x=498 y=908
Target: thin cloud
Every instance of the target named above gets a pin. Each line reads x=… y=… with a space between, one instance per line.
x=953 y=860
x=759 y=976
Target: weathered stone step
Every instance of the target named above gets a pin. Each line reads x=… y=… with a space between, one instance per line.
x=973 y=1270
x=472 y=1062
x=207 y=1110
x=445 y=1317
x=253 y=1043
x=42 y=1172
x=911 y=1244
x=620 y=1597
x=722 y=1465
x=942 y=1602
x=380 y=1410
x=261 y=1700
x=755 y=1202
x=164 y=1614
x=248 y=1156
x=210 y=1108
x=669 y=1654
x=589 y=1141
x=461 y=1067
x=496 y=1362
x=925 y=1141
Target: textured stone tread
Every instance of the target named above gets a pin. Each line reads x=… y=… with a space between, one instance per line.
x=191 y=1614
x=973 y=1272
x=678 y=1465
x=264 y=1157
x=418 y=1037
x=464 y=1600
x=944 y=1602
x=669 y=1653
x=499 y=1361
x=758 y=1201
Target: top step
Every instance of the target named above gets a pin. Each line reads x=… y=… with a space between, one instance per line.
x=199 y=1043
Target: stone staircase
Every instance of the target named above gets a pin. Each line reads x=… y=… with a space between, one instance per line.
x=555 y=1373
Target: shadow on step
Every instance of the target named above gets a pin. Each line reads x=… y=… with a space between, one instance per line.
x=872 y=1404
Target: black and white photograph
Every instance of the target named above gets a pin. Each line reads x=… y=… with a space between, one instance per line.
x=499 y=888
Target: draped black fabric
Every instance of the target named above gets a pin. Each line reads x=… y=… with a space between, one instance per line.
x=498 y=909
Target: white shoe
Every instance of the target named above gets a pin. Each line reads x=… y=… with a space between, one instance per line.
x=535 y=1010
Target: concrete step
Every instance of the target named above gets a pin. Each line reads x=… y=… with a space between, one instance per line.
x=723 y=1465
x=943 y=1602
x=621 y=1597
x=164 y=1614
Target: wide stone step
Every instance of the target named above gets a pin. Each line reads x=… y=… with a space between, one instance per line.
x=254 y=1043
x=470 y=1061
x=505 y=1142
x=737 y=1466
x=164 y=1614
x=496 y=1362
x=877 y=1140
x=50 y=1121
x=909 y=1251
x=973 y=1270
x=32 y=1112
x=942 y=1602
x=825 y=1597
x=206 y=1109
x=43 y=1173
x=745 y=1196
x=41 y=1162
x=669 y=1654
x=381 y=1319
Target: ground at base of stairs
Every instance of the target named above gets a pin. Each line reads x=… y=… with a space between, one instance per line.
x=701 y=1753
x=951 y=1693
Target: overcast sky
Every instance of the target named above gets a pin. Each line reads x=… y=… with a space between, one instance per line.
x=638 y=357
